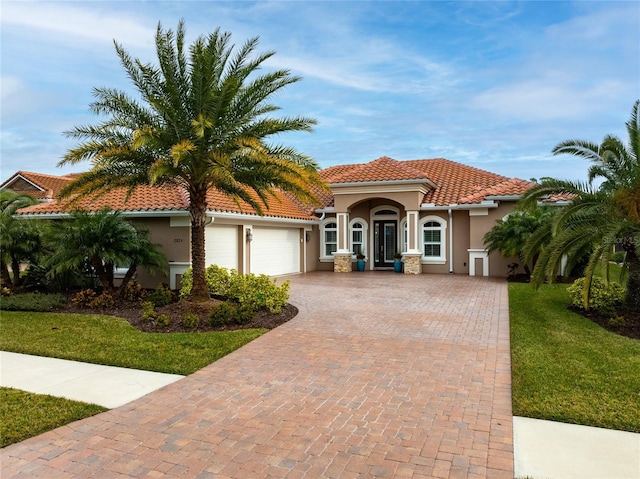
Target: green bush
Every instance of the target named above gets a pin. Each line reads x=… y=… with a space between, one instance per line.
x=148 y=312
x=252 y=291
x=190 y=320
x=161 y=296
x=163 y=321
x=222 y=315
x=31 y=302
x=603 y=298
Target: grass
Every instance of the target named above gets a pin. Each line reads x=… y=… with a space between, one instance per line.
x=24 y=415
x=566 y=368
x=113 y=341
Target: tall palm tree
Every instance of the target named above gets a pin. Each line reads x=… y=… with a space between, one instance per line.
x=19 y=238
x=597 y=218
x=201 y=122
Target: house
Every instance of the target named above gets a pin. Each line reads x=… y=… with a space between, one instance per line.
x=435 y=212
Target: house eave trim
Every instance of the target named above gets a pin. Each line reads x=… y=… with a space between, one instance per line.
x=455 y=206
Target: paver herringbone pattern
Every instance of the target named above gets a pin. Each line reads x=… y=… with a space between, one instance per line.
x=380 y=375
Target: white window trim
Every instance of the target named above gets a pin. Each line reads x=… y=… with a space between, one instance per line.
x=442 y=259
x=365 y=231
x=404 y=235
x=324 y=258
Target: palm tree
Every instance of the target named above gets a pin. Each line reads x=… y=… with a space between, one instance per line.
x=19 y=237
x=99 y=242
x=201 y=123
x=509 y=236
x=597 y=218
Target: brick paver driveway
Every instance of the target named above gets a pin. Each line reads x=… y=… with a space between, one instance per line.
x=380 y=375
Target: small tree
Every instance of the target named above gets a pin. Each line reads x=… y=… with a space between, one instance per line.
x=509 y=236
x=100 y=242
x=19 y=237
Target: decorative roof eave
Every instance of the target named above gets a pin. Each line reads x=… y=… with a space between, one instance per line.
x=457 y=206
x=415 y=181
x=253 y=218
x=125 y=213
x=24 y=178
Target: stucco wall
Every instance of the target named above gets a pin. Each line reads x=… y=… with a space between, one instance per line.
x=175 y=244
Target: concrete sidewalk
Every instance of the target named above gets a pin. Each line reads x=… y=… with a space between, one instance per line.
x=105 y=386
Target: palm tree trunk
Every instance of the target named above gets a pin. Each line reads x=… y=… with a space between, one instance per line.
x=632 y=298
x=127 y=278
x=197 y=209
x=5 y=279
x=15 y=267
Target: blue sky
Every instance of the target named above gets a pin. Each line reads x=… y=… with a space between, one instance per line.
x=491 y=84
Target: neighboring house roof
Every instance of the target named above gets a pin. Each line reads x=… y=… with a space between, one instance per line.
x=38 y=185
x=446 y=183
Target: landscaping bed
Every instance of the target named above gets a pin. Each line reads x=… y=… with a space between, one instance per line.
x=176 y=311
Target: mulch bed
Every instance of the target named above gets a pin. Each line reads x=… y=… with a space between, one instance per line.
x=630 y=328
x=132 y=312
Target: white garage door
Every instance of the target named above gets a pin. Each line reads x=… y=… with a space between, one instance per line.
x=221 y=246
x=275 y=251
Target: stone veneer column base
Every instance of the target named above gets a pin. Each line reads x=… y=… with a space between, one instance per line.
x=342 y=262
x=412 y=264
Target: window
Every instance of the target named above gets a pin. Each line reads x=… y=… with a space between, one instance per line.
x=358 y=235
x=433 y=230
x=329 y=237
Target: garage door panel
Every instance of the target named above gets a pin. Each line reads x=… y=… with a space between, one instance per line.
x=275 y=251
x=221 y=246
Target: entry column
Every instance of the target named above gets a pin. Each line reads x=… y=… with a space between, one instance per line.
x=342 y=256
x=413 y=255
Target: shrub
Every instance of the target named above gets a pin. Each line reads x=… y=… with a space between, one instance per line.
x=603 y=298
x=163 y=321
x=84 y=297
x=133 y=292
x=104 y=301
x=161 y=296
x=222 y=315
x=190 y=320
x=31 y=302
x=252 y=291
x=148 y=312
x=243 y=315
x=5 y=291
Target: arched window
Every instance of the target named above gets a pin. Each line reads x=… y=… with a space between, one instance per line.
x=358 y=236
x=433 y=237
x=329 y=237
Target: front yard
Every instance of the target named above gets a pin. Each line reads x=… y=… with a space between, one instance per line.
x=564 y=367
x=567 y=368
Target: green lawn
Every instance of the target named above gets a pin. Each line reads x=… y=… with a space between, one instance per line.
x=24 y=415
x=566 y=368
x=113 y=341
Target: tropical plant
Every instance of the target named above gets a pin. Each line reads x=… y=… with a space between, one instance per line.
x=98 y=243
x=509 y=235
x=597 y=218
x=19 y=237
x=201 y=122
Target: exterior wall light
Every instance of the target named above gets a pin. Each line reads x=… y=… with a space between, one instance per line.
x=249 y=235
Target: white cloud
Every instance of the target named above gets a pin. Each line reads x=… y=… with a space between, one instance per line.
x=70 y=23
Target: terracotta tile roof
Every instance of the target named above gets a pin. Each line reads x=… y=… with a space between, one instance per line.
x=455 y=183
x=38 y=185
x=170 y=198
x=382 y=169
x=512 y=186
